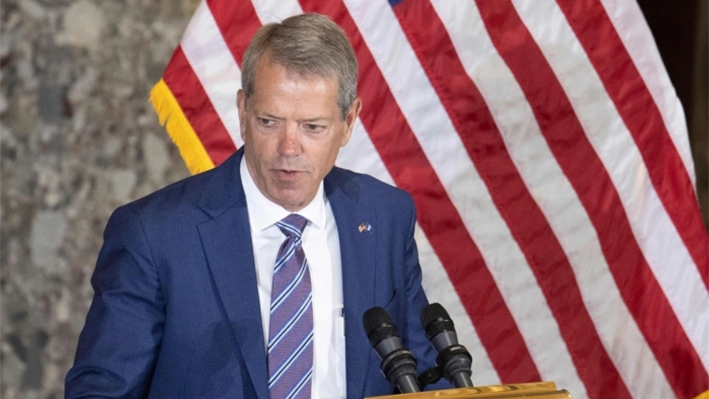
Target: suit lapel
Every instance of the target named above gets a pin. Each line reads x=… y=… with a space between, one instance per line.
x=226 y=240
x=357 y=250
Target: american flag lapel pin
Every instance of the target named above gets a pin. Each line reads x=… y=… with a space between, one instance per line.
x=364 y=227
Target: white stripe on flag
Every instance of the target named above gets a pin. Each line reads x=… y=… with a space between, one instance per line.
x=446 y=152
x=657 y=236
x=629 y=22
x=361 y=156
x=275 y=11
x=215 y=67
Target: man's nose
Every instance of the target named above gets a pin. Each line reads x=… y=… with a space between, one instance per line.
x=289 y=144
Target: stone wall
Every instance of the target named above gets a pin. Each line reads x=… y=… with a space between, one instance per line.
x=78 y=139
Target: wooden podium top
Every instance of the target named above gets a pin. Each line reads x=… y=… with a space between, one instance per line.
x=535 y=390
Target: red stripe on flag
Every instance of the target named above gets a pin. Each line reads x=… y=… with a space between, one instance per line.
x=438 y=217
x=198 y=108
x=623 y=82
x=566 y=139
x=485 y=146
x=238 y=22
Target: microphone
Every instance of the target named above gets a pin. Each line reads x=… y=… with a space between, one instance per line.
x=453 y=359
x=398 y=364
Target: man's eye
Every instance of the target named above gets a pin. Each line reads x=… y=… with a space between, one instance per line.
x=266 y=122
x=313 y=128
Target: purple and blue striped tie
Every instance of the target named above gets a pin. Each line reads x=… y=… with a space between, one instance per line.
x=290 y=338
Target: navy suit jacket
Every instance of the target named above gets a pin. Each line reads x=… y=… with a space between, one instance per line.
x=175 y=312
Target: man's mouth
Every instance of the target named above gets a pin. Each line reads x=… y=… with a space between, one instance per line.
x=287 y=174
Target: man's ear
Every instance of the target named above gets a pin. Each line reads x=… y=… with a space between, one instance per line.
x=350 y=120
x=241 y=106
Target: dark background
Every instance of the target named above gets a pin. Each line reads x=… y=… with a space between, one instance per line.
x=680 y=30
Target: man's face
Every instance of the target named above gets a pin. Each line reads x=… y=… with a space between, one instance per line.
x=292 y=131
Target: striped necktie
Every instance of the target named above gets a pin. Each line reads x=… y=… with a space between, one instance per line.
x=290 y=338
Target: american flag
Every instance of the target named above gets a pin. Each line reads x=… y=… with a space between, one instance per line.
x=548 y=156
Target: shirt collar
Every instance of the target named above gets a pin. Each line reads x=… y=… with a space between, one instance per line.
x=264 y=213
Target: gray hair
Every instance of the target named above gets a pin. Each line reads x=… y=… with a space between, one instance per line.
x=308 y=44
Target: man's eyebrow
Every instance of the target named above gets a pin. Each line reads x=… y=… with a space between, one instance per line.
x=269 y=116
x=308 y=120
x=317 y=119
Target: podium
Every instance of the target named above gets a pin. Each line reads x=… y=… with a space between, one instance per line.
x=535 y=390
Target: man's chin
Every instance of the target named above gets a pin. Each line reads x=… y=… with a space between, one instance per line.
x=290 y=200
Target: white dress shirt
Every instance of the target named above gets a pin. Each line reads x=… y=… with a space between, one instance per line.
x=322 y=249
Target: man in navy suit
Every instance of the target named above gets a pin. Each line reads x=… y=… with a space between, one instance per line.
x=182 y=283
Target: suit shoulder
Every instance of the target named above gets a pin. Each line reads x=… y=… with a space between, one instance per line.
x=376 y=191
x=173 y=199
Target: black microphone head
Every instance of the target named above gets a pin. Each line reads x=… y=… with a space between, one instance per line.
x=378 y=325
x=435 y=320
x=453 y=359
x=398 y=364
